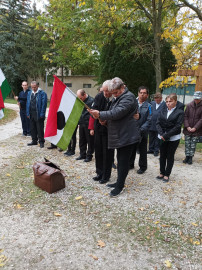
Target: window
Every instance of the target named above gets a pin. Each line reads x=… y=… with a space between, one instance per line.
x=86 y=85
x=68 y=84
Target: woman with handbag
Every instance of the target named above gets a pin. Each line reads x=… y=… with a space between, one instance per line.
x=192 y=126
x=168 y=126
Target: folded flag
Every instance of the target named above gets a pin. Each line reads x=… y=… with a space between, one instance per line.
x=64 y=113
x=4 y=86
x=4 y=91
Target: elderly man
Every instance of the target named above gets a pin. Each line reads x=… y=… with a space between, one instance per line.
x=85 y=139
x=123 y=131
x=103 y=156
x=192 y=126
x=144 y=124
x=157 y=105
x=22 y=101
x=36 y=110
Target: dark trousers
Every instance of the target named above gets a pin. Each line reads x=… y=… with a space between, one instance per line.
x=85 y=139
x=72 y=144
x=123 y=158
x=25 y=122
x=103 y=156
x=167 y=152
x=142 y=147
x=37 y=129
x=153 y=141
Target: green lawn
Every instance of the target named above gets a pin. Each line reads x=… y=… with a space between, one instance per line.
x=10 y=100
x=9 y=115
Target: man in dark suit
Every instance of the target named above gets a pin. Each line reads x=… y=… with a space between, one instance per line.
x=156 y=105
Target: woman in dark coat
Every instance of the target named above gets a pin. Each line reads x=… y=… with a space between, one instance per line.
x=168 y=126
x=192 y=126
x=123 y=130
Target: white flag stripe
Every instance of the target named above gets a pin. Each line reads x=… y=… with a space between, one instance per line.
x=66 y=106
x=2 y=77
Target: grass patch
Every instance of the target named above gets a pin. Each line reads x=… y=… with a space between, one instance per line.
x=198 y=145
x=10 y=101
x=9 y=115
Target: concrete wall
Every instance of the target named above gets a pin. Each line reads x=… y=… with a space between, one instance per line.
x=76 y=81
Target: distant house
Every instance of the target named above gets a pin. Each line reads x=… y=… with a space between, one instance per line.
x=74 y=82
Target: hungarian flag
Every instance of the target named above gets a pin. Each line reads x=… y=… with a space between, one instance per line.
x=64 y=113
x=4 y=91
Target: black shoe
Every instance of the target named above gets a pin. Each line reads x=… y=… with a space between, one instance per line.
x=111 y=185
x=41 y=145
x=156 y=154
x=114 y=166
x=52 y=147
x=97 y=178
x=186 y=159
x=189 y=161
x=103 y=181
x=115 y=192
x=166 y=180
x=150 y=152
x=60 y=150
x=87 y=159
x=140 y=171
x=68 y=153
x=80 y=157
x=159 y=177
x=32 y=143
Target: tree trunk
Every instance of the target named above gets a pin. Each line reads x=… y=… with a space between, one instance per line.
x=157 y=59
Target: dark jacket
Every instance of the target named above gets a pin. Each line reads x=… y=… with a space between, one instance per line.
x=100 y=103
x=41 y=104
x=123 y=129
x=84 y=119
x=193 y=118
x=145 y=117
x=172 y=125
x=155 y=113
x=22 y=99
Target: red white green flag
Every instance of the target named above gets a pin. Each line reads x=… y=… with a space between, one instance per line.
x=64 y=113
x=4 y=91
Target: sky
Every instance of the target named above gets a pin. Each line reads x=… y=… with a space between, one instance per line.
x=40 y=4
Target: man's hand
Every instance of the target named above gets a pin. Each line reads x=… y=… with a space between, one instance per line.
x=136 y=116
x=92 y=132
x=94 y=113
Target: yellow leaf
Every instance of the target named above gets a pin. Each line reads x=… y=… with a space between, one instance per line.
x=8 y=174
x=108 y=225
x=78 y=198
x=100 y=243
x=57 y=214
x=164 y=225
x=156 y=222
x=168 y=264
x=196 y=243
x=194 y=224
x=94 y=257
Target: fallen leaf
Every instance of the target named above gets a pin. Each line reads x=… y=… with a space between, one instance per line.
x=100 y=243
x=108 y=225
x=164 y=225
x=168 y=264
x=20 y=167
x=133 y=230
x=83 y=203
x=196 y=243
x=8 y=174
x=78 y=198
x=194 y=224
x=18 y=206
x=156 y=222
x=94 y=257
x=57 y=214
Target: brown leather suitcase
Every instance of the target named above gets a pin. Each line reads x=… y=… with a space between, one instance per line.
x=48 y=176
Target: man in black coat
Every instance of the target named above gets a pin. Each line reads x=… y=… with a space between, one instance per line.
x=103 y=156
x=85 y=139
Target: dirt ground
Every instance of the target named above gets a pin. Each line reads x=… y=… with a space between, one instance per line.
x=151 y=225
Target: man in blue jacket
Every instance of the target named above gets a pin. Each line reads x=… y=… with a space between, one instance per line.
x=36 y=110
x=22 y=101
x=144 y=123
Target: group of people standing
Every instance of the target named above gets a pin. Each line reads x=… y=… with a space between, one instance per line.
x=117 y=120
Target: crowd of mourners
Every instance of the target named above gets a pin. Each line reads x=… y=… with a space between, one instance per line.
x=117 y=120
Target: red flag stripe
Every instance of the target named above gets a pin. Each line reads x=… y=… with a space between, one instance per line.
x=1 y=100
x=57 y=93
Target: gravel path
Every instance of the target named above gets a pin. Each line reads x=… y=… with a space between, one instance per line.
x=151 y=225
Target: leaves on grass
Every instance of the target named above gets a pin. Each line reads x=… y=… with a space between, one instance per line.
x=100 y=243
x=83 y=203
x=168 y=264
x=108 y=225
x=194 y=224
x=78 y=198
x=94 y=257
x=3 y=260
x=57 y=214
x=17 y=206
x=8 y=174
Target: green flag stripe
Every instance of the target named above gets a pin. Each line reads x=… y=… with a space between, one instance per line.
x=71 y=124
x=5 y=89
